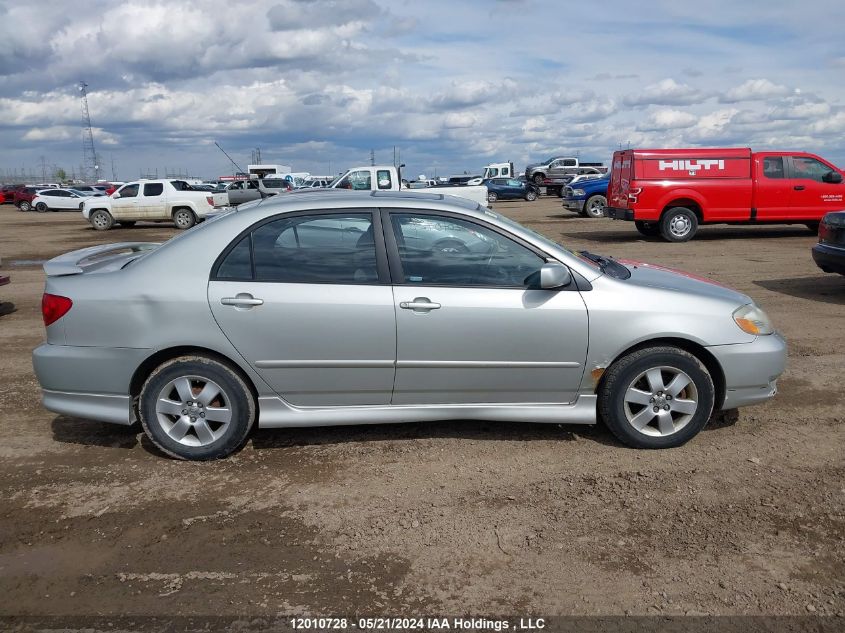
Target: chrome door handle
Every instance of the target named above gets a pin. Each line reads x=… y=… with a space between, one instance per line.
x=242 y=300
x=799 y=187
x=423 y=304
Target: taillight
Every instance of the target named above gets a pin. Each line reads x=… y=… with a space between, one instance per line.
x=825 y=232
x=210 y=200
x=54 y=307
x=634 y=193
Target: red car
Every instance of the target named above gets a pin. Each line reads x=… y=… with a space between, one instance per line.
x=23 y=198
x=670 y=192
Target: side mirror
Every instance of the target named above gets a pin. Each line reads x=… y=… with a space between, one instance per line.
x=833 y=177
x=115 y=195
x=554 y=275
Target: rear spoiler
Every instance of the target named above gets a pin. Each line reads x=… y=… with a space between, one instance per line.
x=75 y=262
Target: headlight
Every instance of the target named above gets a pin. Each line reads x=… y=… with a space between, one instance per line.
x=753 y=320
x=577 y=192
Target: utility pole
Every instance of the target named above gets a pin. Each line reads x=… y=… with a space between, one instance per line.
x=91 y=166
x=372 y=157
x=43 y=170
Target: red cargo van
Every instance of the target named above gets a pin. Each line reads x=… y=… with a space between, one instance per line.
x=670 y=192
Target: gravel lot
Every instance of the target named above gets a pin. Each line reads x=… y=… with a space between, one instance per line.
x=448 y=518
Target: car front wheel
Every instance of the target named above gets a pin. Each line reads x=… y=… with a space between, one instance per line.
x=197 y=408
x=657 y=397
x=101 y=220
x=492 y=196
x=531 y=196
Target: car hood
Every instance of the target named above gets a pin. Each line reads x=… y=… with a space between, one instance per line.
x=654 y=276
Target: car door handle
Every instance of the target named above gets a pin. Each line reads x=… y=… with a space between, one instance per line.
x=420 y=304
x=799 y=187
x=242 y=300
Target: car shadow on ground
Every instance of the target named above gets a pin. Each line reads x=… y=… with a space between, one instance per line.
x=70 y=430
x=7 y=307
x=704 y=234
x=828 y=287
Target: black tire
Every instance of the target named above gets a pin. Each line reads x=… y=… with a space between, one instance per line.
x=649 y=229
x=678 y=224
x=127 y=223
x=628 y=373
x=451 y=246
x=538 y=178
x=184 y=219
x=813 y=226
x=162 y=428
x=42 y=207
x=531 y=196
x=101 y=220
x=594 y=206
x=492 y=196
x=24 y=205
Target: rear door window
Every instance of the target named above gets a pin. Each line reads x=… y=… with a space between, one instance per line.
x=773 y=167
x=153 y=189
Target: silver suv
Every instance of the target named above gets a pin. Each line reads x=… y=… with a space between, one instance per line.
x=348 y=307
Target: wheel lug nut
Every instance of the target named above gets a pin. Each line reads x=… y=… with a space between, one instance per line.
x=666 y=407
x=656 y=409
x=189 y=403
x=193 y=418
x=651 y=399
x=202 y=415
x=668 y=397
x=184 y=412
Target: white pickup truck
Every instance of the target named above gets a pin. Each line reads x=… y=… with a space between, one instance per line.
x=150 y=201
x=388 y=178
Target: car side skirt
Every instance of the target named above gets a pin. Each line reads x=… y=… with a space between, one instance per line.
x=275 y=413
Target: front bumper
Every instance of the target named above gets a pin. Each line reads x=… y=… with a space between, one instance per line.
x=751 y=369
x=831 y=259
x=574 y=204
x=618 y=214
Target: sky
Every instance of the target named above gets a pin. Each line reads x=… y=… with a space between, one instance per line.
x=452 y=85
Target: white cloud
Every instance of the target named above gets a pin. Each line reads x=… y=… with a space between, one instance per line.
x=668 y=119
x=754 y=89
x=666 y=92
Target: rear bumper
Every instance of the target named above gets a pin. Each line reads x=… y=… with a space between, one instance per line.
x=751 y=369
x=89 y=406
x=830 y=259
x=573 y=204
x=619 y=214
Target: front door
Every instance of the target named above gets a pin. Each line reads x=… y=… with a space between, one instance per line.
x=126 y=206
x=811 y=197
x=306 y=300
x=470 y=329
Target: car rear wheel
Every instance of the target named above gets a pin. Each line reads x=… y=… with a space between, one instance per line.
x=24 y=206
x=594 y=206
x=197 y=408
x=101 y=220
x=41 y=207
x=184 y=219
x=492 y=196
x=678 y=224
x=531 y=196
x=657 y=397
x=649 y=229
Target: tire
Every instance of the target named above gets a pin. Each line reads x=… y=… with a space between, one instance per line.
x=184 y=219
x=191 y=431
x=594 y=206
x=531 y=196
x=101 y=220
x=647 y=379
x=451 y=247
x=649 y=229
x=678 y=224
x=538 y=178
x=42 y=207
x=25 y=206
x=127 y=223
x=492 y=196
x=813 y=226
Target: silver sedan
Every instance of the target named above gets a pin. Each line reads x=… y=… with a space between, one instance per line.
x=326 y=308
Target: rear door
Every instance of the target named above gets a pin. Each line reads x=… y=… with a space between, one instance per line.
x=772 y=188
x=306 y=300
x=621 y=175
x=152 y=203
x=811 y=197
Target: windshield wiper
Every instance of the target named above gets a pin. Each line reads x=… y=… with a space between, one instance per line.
x=607 y=265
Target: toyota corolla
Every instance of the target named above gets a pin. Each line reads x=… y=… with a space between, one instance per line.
x=328 y=308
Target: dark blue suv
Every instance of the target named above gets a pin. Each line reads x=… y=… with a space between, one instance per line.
x=509 y=189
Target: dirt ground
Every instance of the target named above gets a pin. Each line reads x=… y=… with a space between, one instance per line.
x=447 y=518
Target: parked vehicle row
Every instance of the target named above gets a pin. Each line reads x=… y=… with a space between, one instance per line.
x=587 y=197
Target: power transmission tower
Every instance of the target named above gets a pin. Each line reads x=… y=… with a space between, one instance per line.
x=372 y=157
x=91 y=166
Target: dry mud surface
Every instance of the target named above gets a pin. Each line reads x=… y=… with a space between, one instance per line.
x=447 y=518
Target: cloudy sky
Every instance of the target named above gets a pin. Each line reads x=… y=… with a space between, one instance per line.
x=453 y=85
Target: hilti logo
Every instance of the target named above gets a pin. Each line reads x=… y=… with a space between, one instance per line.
x=691 y=166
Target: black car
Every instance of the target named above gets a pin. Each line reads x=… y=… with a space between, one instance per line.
x=829 y=253
x=509 y=189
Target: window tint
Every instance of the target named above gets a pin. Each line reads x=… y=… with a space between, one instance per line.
x=316 y=249
x=238 y=263
x=49 y=193
x=275 y=183
x=569 y=162
x=446 y=251
x=359 y=180
x=383 y=179
x=809 y=168
x=773 y=167
x=153 y=189
x=129 y=191
x=250 y=184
